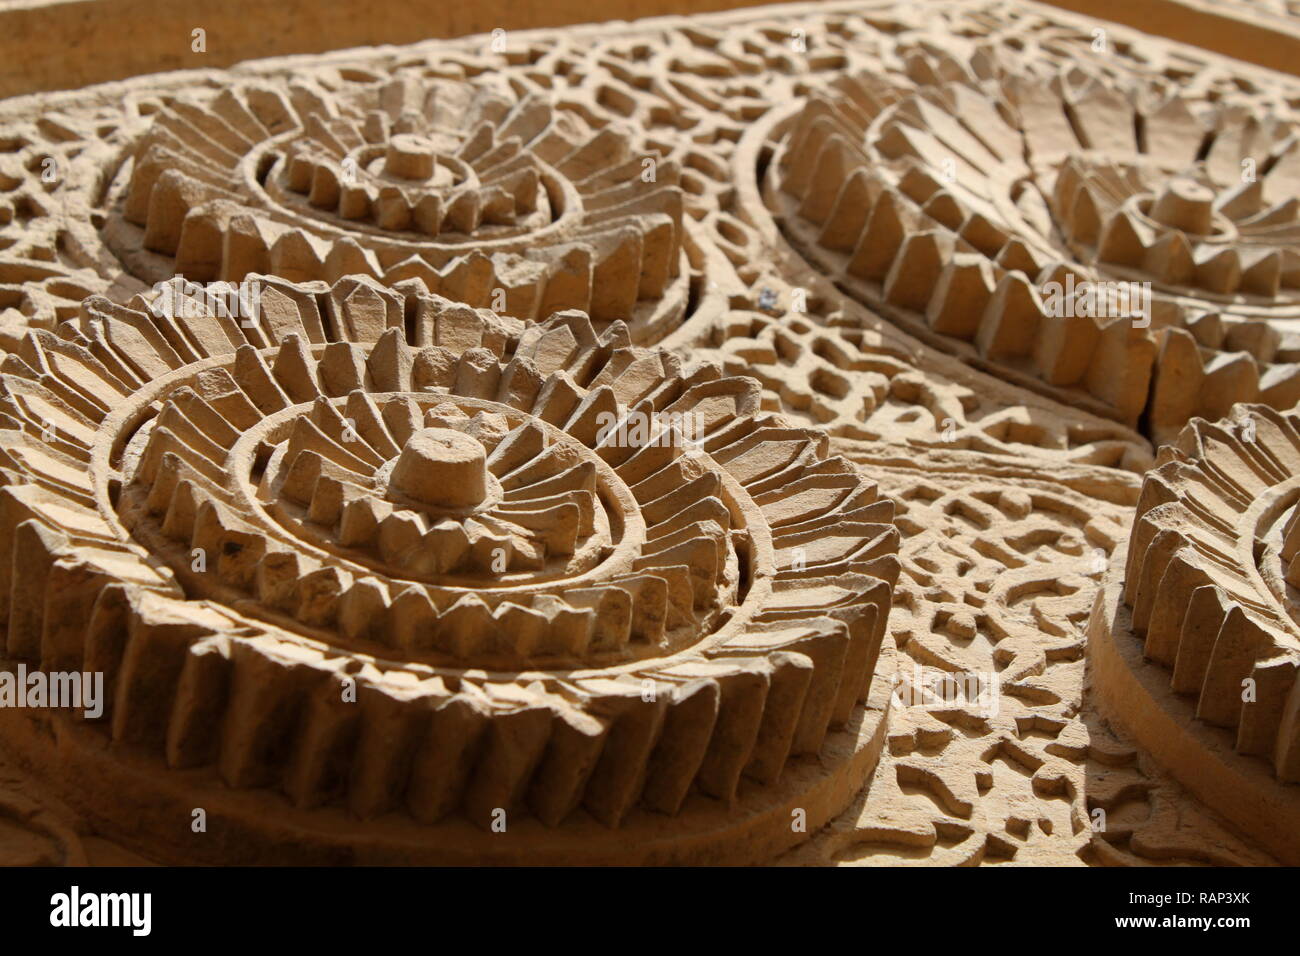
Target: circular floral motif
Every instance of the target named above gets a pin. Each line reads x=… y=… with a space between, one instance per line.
x=533 y=609
x=517 y=204
x=1210 y=567
x=1195 y=638
x=1124 y=245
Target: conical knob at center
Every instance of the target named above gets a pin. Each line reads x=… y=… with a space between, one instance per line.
x=441 y=468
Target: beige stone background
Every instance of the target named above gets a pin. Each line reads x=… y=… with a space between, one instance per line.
x=65 y=44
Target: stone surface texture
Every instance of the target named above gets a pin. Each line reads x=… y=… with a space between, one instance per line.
x=635 y=425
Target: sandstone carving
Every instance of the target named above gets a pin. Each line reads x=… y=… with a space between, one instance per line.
x=533 y=613
x=956 y=210
x=828 y=434
x=406 y=178
x=1201 y=660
